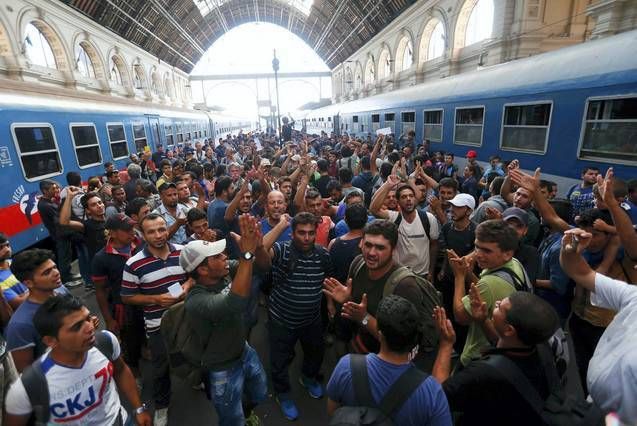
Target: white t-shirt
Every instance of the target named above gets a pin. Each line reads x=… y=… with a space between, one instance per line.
x=412 y=249
x=612 y=372
x=78 y=396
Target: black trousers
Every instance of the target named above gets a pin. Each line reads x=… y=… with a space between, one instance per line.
x=585 y=338
x=282 y=343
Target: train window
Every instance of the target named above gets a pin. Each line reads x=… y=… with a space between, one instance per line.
x=468 y=129
x=390 y=116
x=38 y=150
x=139 y=135
x=117 y=140
x=355 y=119
x=526 y=127
x=87 y=146
x=610 y=130
x=170 y=141
x=375 y=118
x=408 y=120
x=433 y=124
x=329 y=118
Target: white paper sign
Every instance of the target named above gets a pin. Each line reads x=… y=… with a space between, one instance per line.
x=175 y=290
x=257 y=142
x=384 y=131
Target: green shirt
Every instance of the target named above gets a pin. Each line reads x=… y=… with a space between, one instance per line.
x=492 y=288
x=217 y=317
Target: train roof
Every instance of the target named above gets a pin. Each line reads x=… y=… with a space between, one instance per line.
x=595 y=63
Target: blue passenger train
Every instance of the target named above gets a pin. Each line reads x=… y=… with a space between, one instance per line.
x=44 y=136
x=560 y=111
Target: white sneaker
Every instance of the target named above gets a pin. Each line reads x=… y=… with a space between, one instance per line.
x=73 y=284
x=161 y=417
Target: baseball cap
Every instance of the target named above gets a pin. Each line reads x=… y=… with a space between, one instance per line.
x=472 y=154
x=195 y=252
x=463 y=200
x=517 y=213
x=119 y=222
x=265 y=162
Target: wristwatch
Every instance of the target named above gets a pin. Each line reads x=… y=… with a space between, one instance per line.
x=365 y=320
x=247 y=255
x=141 y=409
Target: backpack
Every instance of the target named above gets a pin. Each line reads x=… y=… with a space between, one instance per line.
x=560 y=408
x=424 y=219
x=430 y=299
x=368 y=412
x=183 y=345
x=368 y=188
x=37 y=389
x=508 y=275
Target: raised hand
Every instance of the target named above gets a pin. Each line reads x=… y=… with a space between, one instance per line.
x=393 y=179
x=355 y=311
x=513 y=165
x=531 y=183
x=444 y=327
x=338 y=292
x=479 y=311
x=605 y=186
x=493 y=213
x=576 y=240
x=250 y=234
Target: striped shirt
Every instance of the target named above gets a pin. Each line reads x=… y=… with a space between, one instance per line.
x=149 y=275
x=296 y=295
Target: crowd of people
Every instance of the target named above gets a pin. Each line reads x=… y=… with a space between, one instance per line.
x=451 y=294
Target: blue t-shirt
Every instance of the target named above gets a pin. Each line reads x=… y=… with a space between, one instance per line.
x=341 y=227
x=285 y=235
x=21 y=333
x=427 y=406
x=216 y=213
x=11 y=287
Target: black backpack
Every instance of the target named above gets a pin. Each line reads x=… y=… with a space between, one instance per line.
x=37 y=388
x=424 y=219
x=508 y=275
x=367 y=412
x=368 y=188
x=560 y=408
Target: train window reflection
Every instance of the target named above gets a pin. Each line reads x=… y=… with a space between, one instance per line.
x=526 y=127
x=139 y=135
x=468 y=128
x=433 y=125
x=610 y=130
x=117 y=140
x=87 y=148
x=38 y=151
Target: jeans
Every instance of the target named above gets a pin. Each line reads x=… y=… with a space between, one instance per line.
x=282 y=343
x=227 y=388
x=161 y=372
x=64 y=257
x=84 y=262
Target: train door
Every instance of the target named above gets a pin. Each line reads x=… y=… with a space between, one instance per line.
x=337 y=125
x=155 y=131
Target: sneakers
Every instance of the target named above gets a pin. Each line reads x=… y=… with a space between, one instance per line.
x=253 y=420
x=161 y=417
x=288 y=408
x=313 y=387
x=73 y=284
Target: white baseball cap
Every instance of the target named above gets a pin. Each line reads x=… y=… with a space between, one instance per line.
x=463 y=200
x=265 y=162
x=195 y=252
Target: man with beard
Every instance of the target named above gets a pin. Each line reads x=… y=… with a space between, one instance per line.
x=118 y=203
x=147 y=276
x=457 y=235
x=240 y=204
x=173 y=213
x=417 y=245
x=217 y=209
x=440 y=207
x=581 y=195
x=298 y=267
x=360 y=296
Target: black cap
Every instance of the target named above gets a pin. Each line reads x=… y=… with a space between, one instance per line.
x=119 y=222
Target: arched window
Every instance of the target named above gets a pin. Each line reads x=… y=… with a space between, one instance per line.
x=114 y=73
x=83 y=62
x=37 y=48
x=384 y=64
x=480 y=24
x=405 y=54
x=436 y=42
x=370 y=76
